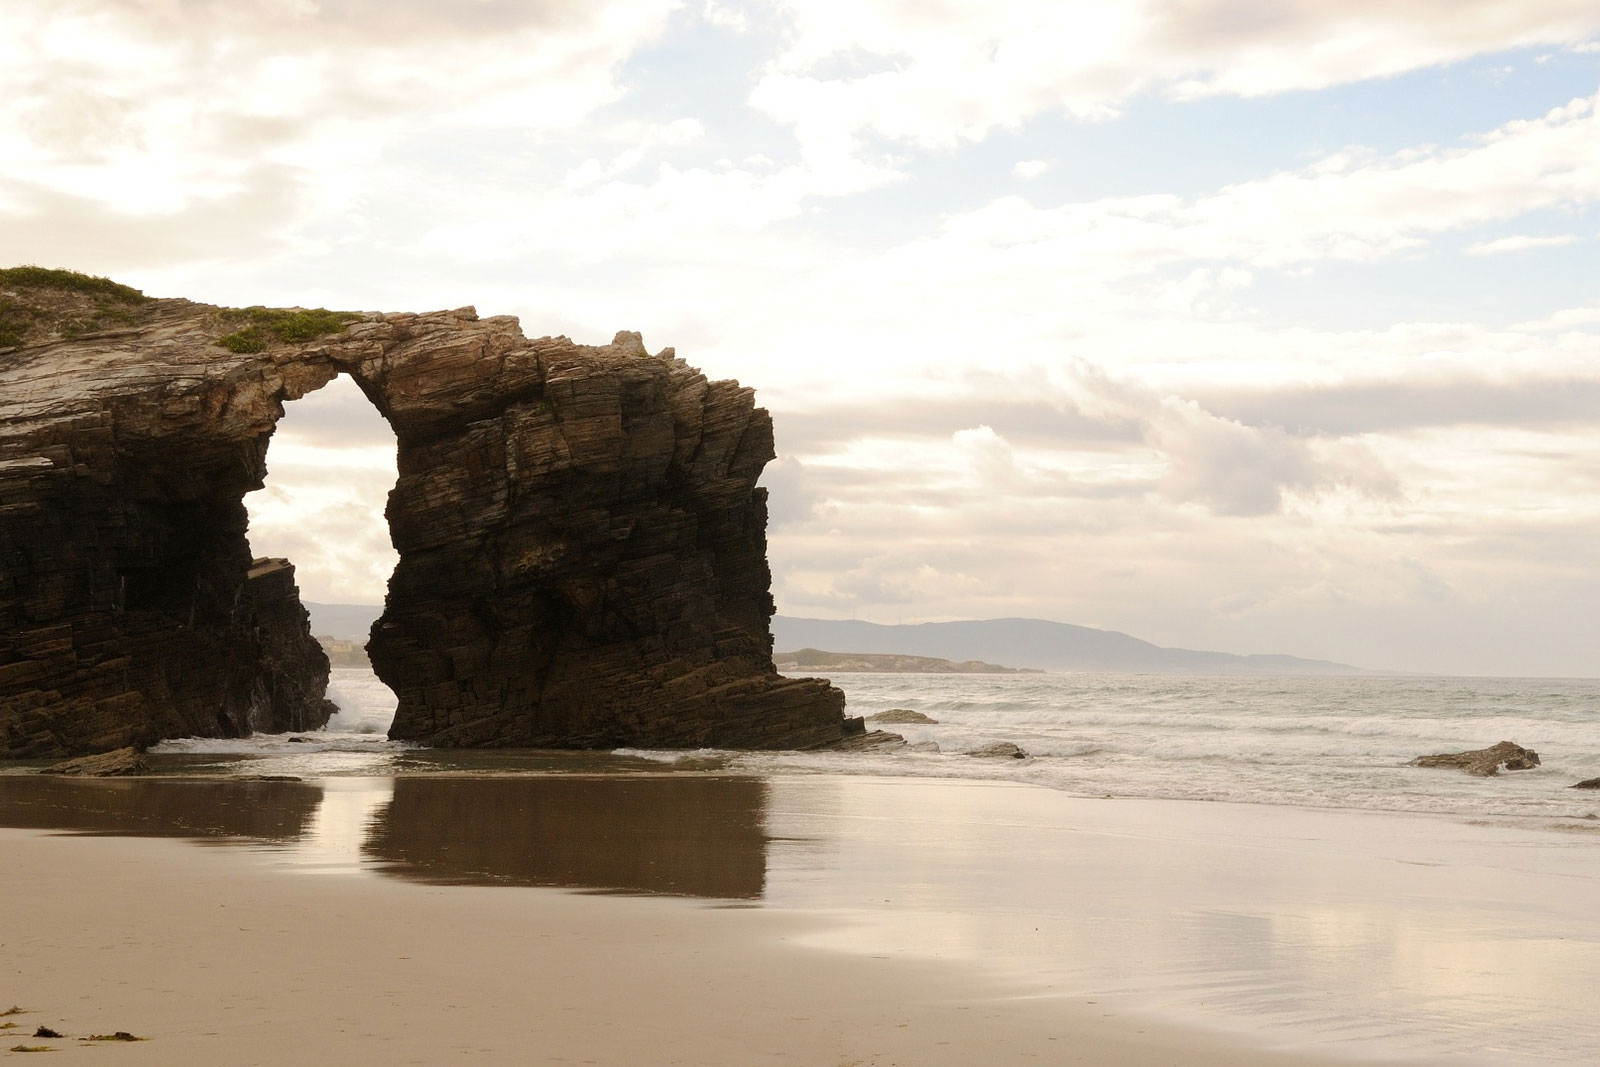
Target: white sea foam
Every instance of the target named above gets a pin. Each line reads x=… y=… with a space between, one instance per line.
x=1316 y=742
x=677 y=756
x=366 y=705
x=360 y=726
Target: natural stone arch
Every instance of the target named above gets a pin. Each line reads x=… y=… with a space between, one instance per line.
x=581 y=539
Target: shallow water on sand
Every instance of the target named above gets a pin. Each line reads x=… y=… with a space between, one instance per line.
x=1356 y=932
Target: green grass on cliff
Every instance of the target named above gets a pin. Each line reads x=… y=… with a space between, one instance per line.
x=63 y=302
x=265 y=325
x=15 y=319
x=31 y=277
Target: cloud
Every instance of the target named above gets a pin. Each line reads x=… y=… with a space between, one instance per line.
x=1055 y=420
x=1519 y=243
x=330 y=466
x=1335 y=209
x=791 y=497
x=1398 y=405
x=1029 y=169
x=1239 y=470
x=935 y=75
x=122 y=113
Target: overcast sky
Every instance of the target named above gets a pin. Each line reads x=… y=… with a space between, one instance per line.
x=1255 y=326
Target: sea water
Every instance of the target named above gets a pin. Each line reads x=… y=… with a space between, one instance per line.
x=1326 y=742
x=1323 y=742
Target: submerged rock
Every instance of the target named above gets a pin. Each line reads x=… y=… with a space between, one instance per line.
x=1591 y=783
x=105 y=765
x=582 y=542
x=902 y=716
x=999 y=750
x=1484 y=762
x=870 y=741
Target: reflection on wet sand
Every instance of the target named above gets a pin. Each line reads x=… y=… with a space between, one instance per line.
x=151 y=807
x=685 y=835
x=671 y=834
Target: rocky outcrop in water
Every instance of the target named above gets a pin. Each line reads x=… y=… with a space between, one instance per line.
x=288 y=690
x=902 y=717
x=1484 y=762
x=113 y=764
x=998 y=750
x=1588 y=783
x=582 y=543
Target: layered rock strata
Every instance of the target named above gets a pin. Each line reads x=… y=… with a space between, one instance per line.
x=581 y=540
x=1484 y=762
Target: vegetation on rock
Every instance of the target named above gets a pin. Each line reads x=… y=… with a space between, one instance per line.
x=43 y=301
x=265 y=325
x=32 y=277
x=15 y=319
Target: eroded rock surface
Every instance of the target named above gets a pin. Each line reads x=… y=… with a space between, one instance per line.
x=118 y=762
x=1484 y=762
x=582 y=543
x=998 y=750
x=902 y=716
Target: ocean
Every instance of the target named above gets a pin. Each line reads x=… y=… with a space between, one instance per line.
x=1316 y=742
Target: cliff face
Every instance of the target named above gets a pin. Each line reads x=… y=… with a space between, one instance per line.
x=582 y=545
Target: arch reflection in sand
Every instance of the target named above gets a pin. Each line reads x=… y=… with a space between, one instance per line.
x=682 y=835
x=669 y=834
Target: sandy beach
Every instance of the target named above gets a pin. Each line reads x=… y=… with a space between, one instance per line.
x=855 y=921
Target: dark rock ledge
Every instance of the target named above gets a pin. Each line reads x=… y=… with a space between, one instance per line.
x=582 y=543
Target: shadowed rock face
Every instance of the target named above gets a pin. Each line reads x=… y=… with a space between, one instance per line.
x=582 y=544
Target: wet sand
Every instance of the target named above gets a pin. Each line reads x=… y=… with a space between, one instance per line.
x=811 y=920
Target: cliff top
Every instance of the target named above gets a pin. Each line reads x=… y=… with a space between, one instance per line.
x=39 y=305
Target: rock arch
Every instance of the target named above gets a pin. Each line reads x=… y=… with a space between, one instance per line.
x=581 y=540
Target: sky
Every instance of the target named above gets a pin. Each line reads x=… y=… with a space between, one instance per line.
x=1250 y=326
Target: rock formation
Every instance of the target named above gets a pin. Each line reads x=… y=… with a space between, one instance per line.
x=1588 y=783
x=1484 y=762
x=113 y=764
x=582 y=543
x=998 y=750
x=902 y=717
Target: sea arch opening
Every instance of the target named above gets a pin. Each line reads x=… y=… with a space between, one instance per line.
x=331 y=465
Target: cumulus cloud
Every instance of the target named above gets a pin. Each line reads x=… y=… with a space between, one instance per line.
x=152 y=113
x=1235 y=469
x=330 y=466
x=791 y=497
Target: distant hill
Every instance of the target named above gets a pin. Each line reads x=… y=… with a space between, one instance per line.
x=1053 y=646
x=812 y=659
x=1035 y=643
x=347 y=622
